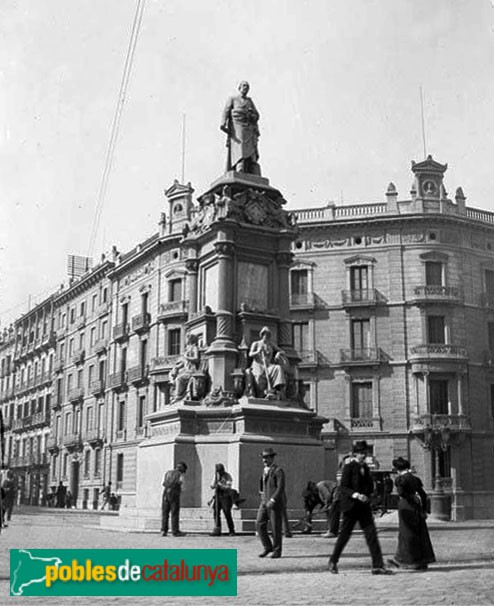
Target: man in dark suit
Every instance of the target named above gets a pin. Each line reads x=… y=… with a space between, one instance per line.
x=273 y=500
x=173 y=481
x=356 y=488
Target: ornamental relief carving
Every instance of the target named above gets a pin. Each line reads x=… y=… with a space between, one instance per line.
x=143 y=270
x=251 y=206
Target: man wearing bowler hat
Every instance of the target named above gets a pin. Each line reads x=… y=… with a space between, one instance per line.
x=356 y=488
x=273 y=499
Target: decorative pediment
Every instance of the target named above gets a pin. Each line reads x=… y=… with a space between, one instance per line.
x=177 y=190
x=429 y=166
x=434 y=256
x=360 y=260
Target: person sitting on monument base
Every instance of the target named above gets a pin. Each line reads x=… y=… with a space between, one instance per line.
x=184 y=369
x=266 y=376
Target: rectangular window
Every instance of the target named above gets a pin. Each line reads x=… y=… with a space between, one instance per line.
x=65 y=464
x=104 y=325
x=89 y=419
x=67 y=427
x=144 y=302
x=80 y=378
x=123 y=359
x=97 y=461
x=71 y=347
x=359 y=280
x=94 y=302
x=92 y=336
x=360 y=336
x=90 y=376
x=143 y=355
x=438 y=397
x=125 y=313
x=69 y=384
x=361 y=407
x=121 y=416
x=87 y=462
x=300 y=282
x=72 y=315
x=174 y=342
x=81 y=340
x=105 y=295
x=490 y=336
x=301 y=336
x=433 y=273
x=140 y=411
x=120 y=468
x=175 y=290
x=82 y=309
x=436 y=329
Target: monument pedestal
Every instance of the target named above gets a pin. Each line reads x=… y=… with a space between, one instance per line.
x=203 y=436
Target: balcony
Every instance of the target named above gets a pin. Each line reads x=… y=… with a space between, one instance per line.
x=308 y=357
x=59 y=365
x=440 y=430
x=173 y=309
x=95 y=437
x=487 y=300
x=75 y=395
x=53 y=445
x=437 y=357
x=141 y=323
x=103 y=309
x=72 y=442
x=117 y=380
x=362 y=297
x=101 y=346
x=137 y=374
x=366 y=425
x=436 y=294
x=17 y=425
x=302 y=300
x=20 y=461
x=362 y=356
x=48 y=339
x=38 y=419
x=97 y=387
x=61 y=332
x=78 y=356
x=81 y=322
x=121 y=332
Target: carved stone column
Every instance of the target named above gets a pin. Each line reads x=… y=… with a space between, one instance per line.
x=191 y=266
x=223 y=351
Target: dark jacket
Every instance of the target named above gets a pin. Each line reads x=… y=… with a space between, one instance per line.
x=273 y=487
x=355 y=478
x=411 y=492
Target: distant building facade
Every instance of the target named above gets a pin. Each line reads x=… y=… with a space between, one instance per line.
x=392 y=306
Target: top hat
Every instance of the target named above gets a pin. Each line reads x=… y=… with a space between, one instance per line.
x=268 y=452
x=360 y=447
x=401 y=464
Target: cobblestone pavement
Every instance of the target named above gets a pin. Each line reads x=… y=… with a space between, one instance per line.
x=462 y=576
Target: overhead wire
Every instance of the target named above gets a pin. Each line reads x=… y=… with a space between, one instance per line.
x=129 y=60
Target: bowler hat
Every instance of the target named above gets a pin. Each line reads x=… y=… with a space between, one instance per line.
x=268 y=452
x=360 y=446
x=400 y=464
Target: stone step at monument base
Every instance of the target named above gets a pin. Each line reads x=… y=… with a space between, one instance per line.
x=198 y=519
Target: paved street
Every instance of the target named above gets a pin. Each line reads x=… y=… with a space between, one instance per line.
x=463 y=574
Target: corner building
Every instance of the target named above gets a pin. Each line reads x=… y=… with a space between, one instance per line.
x=393 y=316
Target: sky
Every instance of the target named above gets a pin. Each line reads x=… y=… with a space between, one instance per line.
x=337 y=84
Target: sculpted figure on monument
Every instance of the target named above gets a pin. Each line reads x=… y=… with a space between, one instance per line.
x=239 y=122
x=184 y=370
x=266 y=375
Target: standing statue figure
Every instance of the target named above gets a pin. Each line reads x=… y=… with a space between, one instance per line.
x=239 y=122
x=183 y=371
x=268 y=367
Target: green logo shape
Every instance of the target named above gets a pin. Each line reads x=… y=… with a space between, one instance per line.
x=129 y=572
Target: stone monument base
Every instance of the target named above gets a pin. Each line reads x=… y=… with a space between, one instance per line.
x=235 y=436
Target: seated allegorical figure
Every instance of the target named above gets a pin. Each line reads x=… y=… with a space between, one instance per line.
x=267 y=371
x=185 y=368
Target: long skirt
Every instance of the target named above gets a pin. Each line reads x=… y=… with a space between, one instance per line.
x=414 y=544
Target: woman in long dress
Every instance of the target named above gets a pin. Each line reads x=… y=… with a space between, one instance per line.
x=414 y=549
